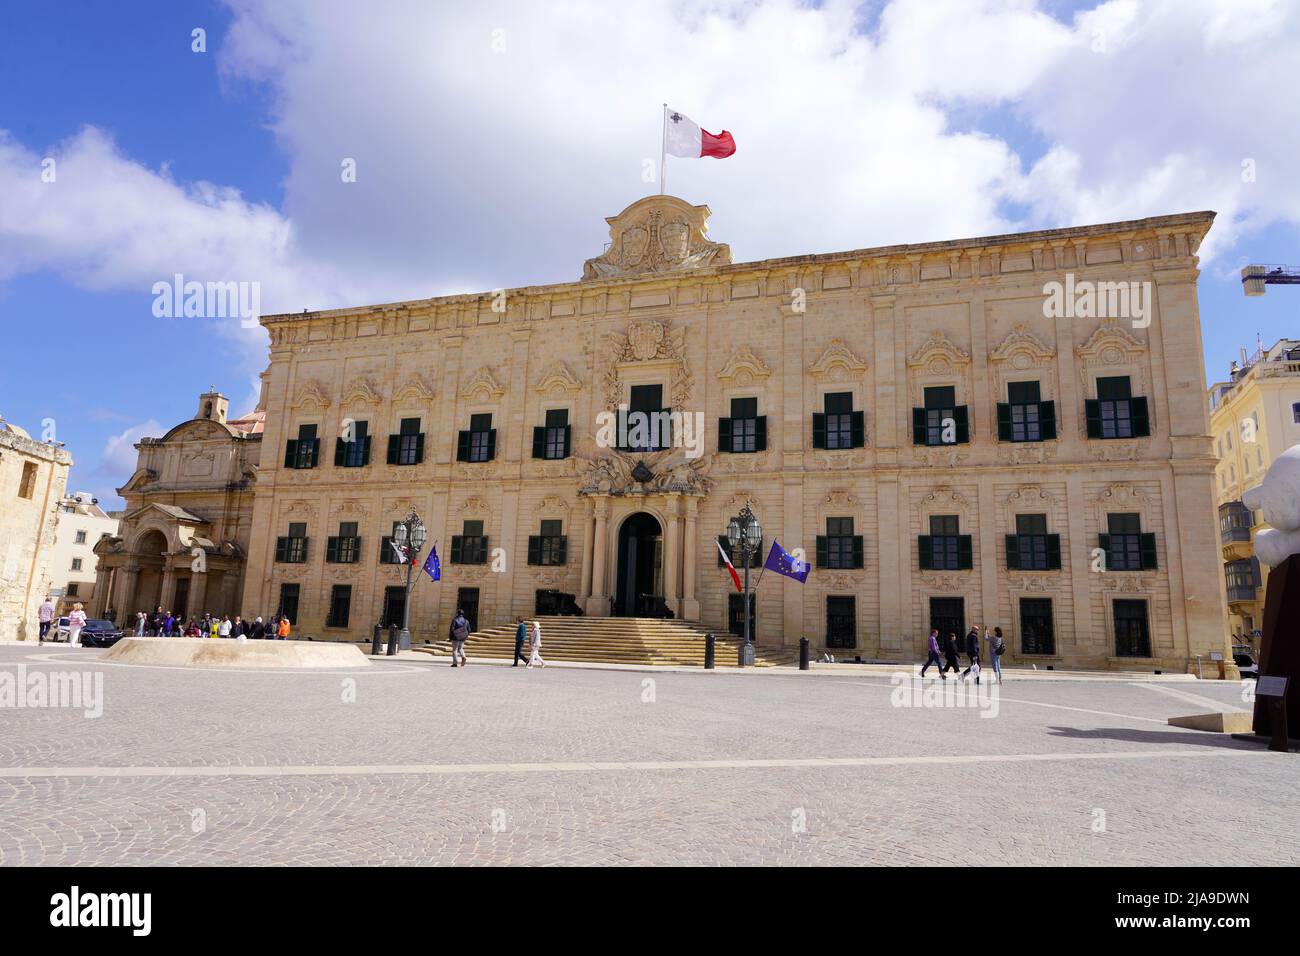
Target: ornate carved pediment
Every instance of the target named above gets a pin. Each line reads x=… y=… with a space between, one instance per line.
x=553 y=505
x=558 y=378
x=1022 y=350
x=414 y=389
x=840 y=498
x=304 y=508
x=837 y=364
x=648 y=340
x=310 y=393
x=938 y=354
x=657 y=234
x=362 y=389
x=744 y=367
x=1111 y=344
x=653 y=473
x=483 y=383
x=473 y=505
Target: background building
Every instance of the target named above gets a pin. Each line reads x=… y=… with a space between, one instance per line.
x=82 y=522
x=184 y=531
x=945 y=448
x=1254 y=417
x=33 y=476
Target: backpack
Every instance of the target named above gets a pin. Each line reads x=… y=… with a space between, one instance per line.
x=999 y=648
x=460 y=629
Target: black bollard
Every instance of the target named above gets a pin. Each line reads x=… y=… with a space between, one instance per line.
x=803 y=653
x=392 y=640
x=377 y=640
x=708 y=651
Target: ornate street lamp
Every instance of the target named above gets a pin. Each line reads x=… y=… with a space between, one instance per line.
x=745 y=534
x=409 y=535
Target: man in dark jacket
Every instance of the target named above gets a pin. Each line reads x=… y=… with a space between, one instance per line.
x=521 y=635
x=950 y=655
x=973 y=652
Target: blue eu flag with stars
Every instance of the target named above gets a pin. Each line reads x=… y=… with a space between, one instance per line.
x=432 y=566
x=783 y=562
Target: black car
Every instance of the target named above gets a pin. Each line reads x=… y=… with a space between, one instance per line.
x=100 y=633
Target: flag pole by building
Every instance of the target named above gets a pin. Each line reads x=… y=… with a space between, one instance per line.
x=663 y=152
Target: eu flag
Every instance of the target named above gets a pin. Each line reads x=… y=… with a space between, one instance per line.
x=432 y=566
x=783 y=562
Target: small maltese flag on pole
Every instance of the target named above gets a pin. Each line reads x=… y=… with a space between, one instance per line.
x=683 y=137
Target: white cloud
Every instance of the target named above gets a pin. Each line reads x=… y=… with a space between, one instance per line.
x=479 y=169
x=119 y=455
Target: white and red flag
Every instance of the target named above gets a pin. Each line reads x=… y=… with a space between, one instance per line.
x=730 y=567
x=683 y=137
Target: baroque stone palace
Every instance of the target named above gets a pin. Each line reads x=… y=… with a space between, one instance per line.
x=944 y=448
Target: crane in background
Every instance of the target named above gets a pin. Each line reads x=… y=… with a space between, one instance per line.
x=1255 y=278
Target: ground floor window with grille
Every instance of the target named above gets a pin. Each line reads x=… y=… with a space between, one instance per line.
x=736 y=616
x=841 y=622
x=1132 y=632
x=289 y=602
x=1037 y=630
x=340 y=605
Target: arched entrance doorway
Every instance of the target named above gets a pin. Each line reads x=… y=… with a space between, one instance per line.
x=638 y=590
x=151 y=550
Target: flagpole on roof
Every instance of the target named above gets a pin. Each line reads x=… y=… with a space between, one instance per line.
x=663 y=153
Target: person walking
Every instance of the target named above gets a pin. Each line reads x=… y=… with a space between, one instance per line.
x=933 y=656
x=535 y=660
x=459 y=635
x=997 y=647
x=521 y=635
x=44 y=618
x=973 y=652
x=156 y=622
x=950 y=655
x=76 y=621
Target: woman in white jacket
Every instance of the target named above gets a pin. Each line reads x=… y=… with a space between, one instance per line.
x=76 y=621
x=536 y=658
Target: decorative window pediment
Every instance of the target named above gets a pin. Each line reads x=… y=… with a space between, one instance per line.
x=414 y=389
x=558 y=378
x=938 y=355
x=1021 y=349
x=483 y=383
x=1111 y=344
x=837 y=363
x=362 y=390
x=311 y=393
x=744 y=367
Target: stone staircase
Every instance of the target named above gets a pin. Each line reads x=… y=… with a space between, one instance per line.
x=616 y=640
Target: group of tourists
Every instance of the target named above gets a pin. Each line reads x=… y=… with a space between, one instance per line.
x=951 y=651
x=459 y=633
x=166 y=624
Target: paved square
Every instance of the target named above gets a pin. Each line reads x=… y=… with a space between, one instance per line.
x=413 y=762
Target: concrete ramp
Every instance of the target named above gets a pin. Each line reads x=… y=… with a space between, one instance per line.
x=1222 y=722
x=226 y=652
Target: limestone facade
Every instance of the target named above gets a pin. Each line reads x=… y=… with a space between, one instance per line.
x=33 y=477
x=843 y=357
x=1254 y=417
x=184 y=532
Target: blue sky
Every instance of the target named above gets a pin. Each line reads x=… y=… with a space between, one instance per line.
x=491 y=141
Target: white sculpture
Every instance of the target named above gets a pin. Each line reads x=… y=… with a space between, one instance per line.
x=1279 y=497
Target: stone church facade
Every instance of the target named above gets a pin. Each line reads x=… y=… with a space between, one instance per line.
x=944 y=449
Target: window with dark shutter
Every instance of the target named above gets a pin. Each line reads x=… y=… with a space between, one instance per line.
x=550 y=547
x=292 y=548
x=941 y=421
x=1024 y=413
x=742 y=429
x=551 y=441
x=843 y=547
x=949 y=550
x=842 y=426
x=407 y=446
x=1115 y=413
x=1126 y=547
x=1031 y=548
x=645 y=425
x=353 y=451
x=471 y=546
x=302 y=452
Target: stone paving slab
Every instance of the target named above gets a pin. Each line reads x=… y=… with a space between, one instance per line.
x=419 y=763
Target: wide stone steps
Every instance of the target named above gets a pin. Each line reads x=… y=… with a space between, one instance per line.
x=616 y=641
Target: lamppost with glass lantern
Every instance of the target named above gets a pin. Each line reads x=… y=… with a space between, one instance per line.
x=745 y=534
x=409 y=535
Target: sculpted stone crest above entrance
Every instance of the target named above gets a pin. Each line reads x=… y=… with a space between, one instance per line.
x=657 y=234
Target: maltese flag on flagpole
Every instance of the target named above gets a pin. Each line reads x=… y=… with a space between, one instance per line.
x=683 y=137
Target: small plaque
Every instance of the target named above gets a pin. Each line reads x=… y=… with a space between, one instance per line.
x=1271 y=686
x=57 y=592
x=1216 y=655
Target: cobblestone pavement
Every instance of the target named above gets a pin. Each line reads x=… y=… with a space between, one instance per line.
x=413 y=762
